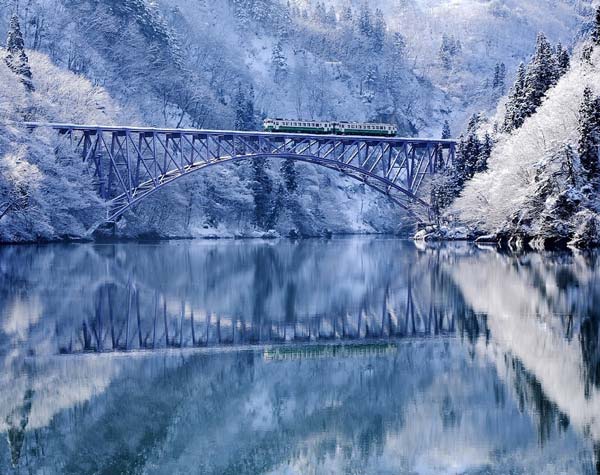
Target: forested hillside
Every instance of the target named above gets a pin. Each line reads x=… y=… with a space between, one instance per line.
x=230 y=63
x=540 y=185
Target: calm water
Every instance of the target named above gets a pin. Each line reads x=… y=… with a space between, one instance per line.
x=344 y=356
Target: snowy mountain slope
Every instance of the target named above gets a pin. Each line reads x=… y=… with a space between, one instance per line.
x=528 y=190
x=51 y=193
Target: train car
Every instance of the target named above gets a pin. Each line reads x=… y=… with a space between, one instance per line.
x=298 y=126
x=334 y=128
x=358 y=128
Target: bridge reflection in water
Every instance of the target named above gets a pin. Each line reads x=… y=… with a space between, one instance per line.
x=257 y=298
x=124 y=321
x=338 y=383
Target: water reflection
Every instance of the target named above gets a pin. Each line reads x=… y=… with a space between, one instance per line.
x=341 y=356
x=125 y=297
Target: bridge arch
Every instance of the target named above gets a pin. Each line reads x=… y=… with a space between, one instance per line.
x=122 y=203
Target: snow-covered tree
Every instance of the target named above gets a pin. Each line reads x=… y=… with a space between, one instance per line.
x=279 y=63
x=398 y=47
x=499 y=81
x=379 y=29
x=446 y=133
x=516 y=105
x=485 y=151
x=244 y=109
x=286 y=24
x=365 y=22
x=547 y=66
x=288 y=171
x=262 y=12
x=369 y=83
x=589 y=134
x=563 y=60
x=242 y=10
x=16 y=58
x=262 y=190
x=542 y=74
x=596 y=28
x=471 y=148
x=347 y=14
x=449 y=49
x=320 y=14
x=470 y=158
x=330 y=16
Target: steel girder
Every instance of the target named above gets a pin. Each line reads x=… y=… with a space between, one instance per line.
x=130 y=164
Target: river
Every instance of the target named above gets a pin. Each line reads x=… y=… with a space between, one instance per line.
x=340 y=356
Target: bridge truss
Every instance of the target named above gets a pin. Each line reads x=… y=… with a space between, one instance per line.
x=131 y=163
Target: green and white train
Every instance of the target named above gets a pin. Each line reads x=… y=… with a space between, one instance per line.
x=333 y=128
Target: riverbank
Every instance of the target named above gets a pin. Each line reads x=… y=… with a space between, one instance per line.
x=586 y=237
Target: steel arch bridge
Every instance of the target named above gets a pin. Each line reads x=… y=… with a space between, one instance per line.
x=131 y=163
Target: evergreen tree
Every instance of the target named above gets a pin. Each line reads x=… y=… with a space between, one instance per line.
x=240 y=109
x=288 y=171
x=471 y=157
x=446 y=133
x=460 y=170
x=589 y=134
x=446 y=187
x=542 y=74
x=262 y=189
x=515 y=106
x=399 y=47
x=16 y=58
x=563 y=61
x=485 y=151
x=330 y=16
x=449 y=49
x=379 y=31
x=261 y=12
x=586 y=53
x=320 y=13
x=532 y=83
x=471 y=148
x=286 y=23
x=242 y=10
x=369 y=83
x=347 y=14
x=596 y=30
x=244 y=109
x=499 y=82
x=279 y=63
x=249 y=115
x=365 y=24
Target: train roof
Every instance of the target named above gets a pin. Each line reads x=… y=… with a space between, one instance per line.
x=334 y=121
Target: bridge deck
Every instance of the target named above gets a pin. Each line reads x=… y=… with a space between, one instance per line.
x=245 y=133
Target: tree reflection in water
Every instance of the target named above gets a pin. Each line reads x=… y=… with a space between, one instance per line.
x=339 y=356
